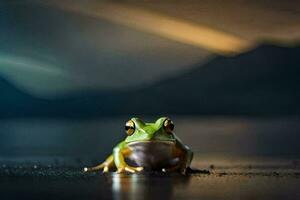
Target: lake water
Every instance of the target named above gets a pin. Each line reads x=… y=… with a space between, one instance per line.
x=217 y=141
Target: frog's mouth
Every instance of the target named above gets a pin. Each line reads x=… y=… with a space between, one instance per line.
x=166 y=142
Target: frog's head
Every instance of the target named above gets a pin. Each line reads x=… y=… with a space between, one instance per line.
x=159 y=131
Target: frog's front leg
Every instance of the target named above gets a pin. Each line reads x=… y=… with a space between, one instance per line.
x=185 y=156
x=107 y=165
x=119 y=153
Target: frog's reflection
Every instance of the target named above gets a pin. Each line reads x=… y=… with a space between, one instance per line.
x=145 y=186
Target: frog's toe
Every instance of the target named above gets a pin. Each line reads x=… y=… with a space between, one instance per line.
x=87 y=169
x=138 y=169
x=121 y=170
x=183 y=171
x=129 y=169
x=105 y=169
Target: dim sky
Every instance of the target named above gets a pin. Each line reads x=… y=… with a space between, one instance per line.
x=50 y=48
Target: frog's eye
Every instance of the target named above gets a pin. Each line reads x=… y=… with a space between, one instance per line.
x=129 y=127
x=168 y=125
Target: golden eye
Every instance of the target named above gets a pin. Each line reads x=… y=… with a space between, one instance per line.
x=129 y=127
x=168 y=125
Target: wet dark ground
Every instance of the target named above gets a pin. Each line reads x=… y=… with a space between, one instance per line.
x=70 y=183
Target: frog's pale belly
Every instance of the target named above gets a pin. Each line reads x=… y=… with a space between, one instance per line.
x=153 y=155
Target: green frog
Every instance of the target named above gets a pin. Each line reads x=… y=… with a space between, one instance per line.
x=148 y=147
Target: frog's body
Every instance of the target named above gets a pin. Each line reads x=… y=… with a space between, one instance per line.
x=148 y=146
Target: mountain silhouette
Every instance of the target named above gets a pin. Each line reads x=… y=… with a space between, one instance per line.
x=263 y=81
x=16 y=103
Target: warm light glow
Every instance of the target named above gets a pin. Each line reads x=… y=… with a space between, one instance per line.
x=164 y=26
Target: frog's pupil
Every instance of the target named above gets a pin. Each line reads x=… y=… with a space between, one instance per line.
x=171 y=126
x=128 y=127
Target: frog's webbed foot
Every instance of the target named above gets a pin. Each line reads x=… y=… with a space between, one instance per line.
x=171 y=169
x=129 y=169
x=177 y=168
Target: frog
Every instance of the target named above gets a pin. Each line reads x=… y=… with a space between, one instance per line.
x=148 y=147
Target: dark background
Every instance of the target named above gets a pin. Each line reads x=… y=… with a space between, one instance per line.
x=73 y=72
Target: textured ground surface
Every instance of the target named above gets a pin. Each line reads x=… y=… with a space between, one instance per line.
x=67 y=183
